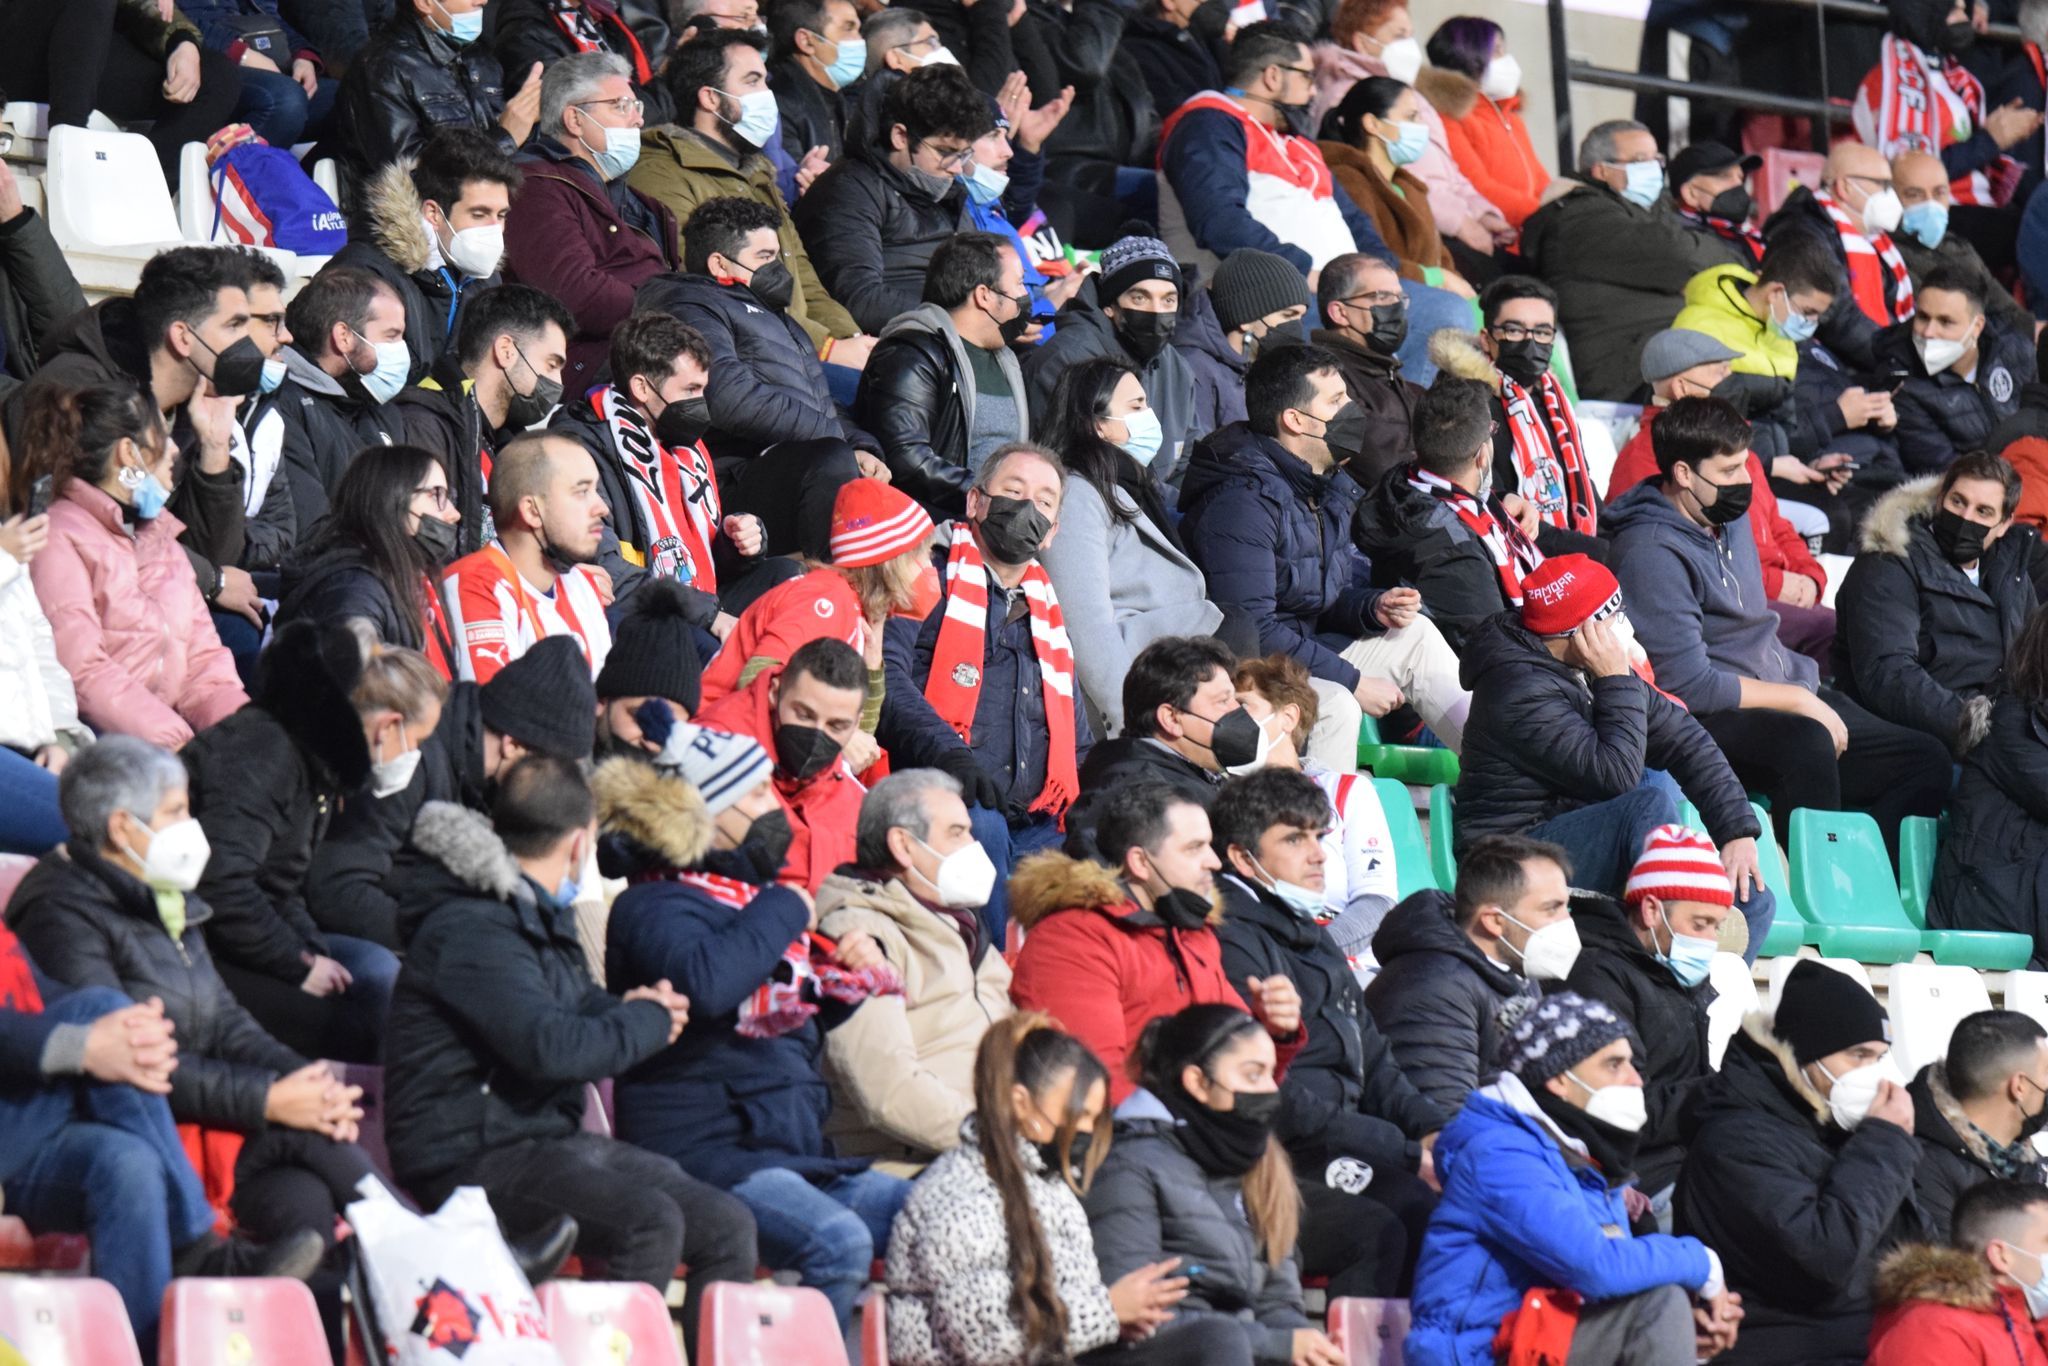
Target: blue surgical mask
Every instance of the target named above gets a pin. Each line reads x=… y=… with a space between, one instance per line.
x=1794 y=327
x=1145 y=437
x=758 y=118
x=986 y=185
x=150 y=497
x=1411 y=142
x=273 y=375
x=1303 y=901
x=1690 y=959
x=1645 y=183
x=463 y=29
x=1927 y=222
x=848 y=66
x=394 y=366
x=620 y=151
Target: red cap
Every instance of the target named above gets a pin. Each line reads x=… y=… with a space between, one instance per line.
x=1678 y=864
x=873 y=523
x=1563 y=592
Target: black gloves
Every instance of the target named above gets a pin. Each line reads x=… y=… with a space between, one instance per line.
x=976 y=787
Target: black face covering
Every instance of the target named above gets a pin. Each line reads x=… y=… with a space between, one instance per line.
x=1730 y=501
x=1144 y=334
x=803 y=752
x=1614 y=1149
x=1013 y=329
x=1225 y=1142
x=523 y=410
x=1014 y=529
x=1732 y=204
x=1389 y=327
x=759 y=858
x=683 y=422
x=1958 y=38
x=1180 y=909
x=237 y=371
x=1344 y=434
x=1233 y=738
x=1524 y=361
x=1960 y=540
x=1049 y=1153
x=436 y=538
x=2029 y=1126
x=774 y=286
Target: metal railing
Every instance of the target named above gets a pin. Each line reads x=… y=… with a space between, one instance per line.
x=1821 y=112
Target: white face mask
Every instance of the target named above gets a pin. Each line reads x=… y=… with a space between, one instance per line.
x=1855 y=1091
x=939 y=56
x=1882 y=212
x=1502 y=78
x=176 y=855
x=759 y=117
x=1257 y=761
x=388 y=777
x=1621 y=1105
x=966 y=877
x=1939 y=353
x=476 y=251
x=2037 y=1293
x=1403 y=60
x=1550 y=952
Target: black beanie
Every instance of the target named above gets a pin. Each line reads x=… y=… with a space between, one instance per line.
x=1822 y=1011
x=544 y=700
x=1252 y=283
x=654 y=650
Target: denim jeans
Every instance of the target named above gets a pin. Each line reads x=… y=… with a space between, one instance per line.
x=30 y=822
x=344 y=1028
x=829 y=1235
x=281 y=112
x=1005 y=844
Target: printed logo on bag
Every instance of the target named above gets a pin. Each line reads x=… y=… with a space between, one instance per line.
x=446 y=1320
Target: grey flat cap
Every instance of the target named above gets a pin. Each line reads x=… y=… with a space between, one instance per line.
x=1678 y=349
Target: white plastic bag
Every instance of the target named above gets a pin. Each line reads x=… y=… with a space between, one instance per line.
x=444 y=1286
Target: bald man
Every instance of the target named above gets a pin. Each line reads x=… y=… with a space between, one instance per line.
x=1926 y=241
x=1855 y=211
x=540 y=577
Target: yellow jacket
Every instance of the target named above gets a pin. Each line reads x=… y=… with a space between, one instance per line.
x=1714 y=304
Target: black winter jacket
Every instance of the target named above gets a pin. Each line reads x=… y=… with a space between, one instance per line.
x=979 y=38
x=441 y=414
x=1542 y=740
x=1113 y=121
x=495 y=1023
x=1437 y=1000
x=522 y=32
x=1411 y=538
x=1114 y=764
x=916 y=395
x=1815 y=425
x=1954 y=1154
x=37 y=292
x=812 y=116
x=326 y=423
x=1799 y=1210
x=1668 y=1019
x=1387 y=400
x=1219 y=371
x=408 y=82
x=1179 y=63
x=871 y=233
x=1988 y=874
x=1943 y=415
x=89 y=924
x=332 y=583
x=1343 y=1095
x=1271 y=537
x=1917 y=642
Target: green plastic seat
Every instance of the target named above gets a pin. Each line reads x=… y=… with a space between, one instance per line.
x=1423 y=765
x=1919 y=840
x=1788 y=927
x=1845 y=884
x=1441 y=839
x=1412 y=870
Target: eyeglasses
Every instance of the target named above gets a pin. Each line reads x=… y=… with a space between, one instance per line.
x=1308 y=71
x=1379 y=298
x=1639 y=161
x=1882 y=185
x=929 y=43
x=1514 y=332
x=625 y=106
x=273 y=321
x=953 y=162
x=437 y=495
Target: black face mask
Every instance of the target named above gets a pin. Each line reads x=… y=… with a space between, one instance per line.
x=803 y=752
x=1014 y=529
x=774 y=286
x=1389 y=327
x=1732 y=204
x=523 y=410
x=1958 y=38
x=1049 y=1153
x=436 y=539
x=1180 y=909
x=1225 y=1142
x=683 y=422
x=1614 y=1149
x=2029 y=1125
x=1344 y=434
x=1013 y=329
x=1960 y=540
x=1524 y=361
x=1730 y=501
x=1233 y=738
x=759 y=858
x=237 y=371
x=1144 y=334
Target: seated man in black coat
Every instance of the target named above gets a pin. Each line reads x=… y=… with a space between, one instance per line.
x=1931 y=608
x=1976 y=1112
x=1650 y=962
x=1961 y=373
x=1362 y=319
x=1453 y=967
x=1572 y=741
x=1359 y=1132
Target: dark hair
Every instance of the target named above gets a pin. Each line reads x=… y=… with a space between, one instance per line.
x=71 y=434
x=1800 y=262
x=1509 y=288
x=520 y=311
x=1167 y=673
x=1195 y=1036
x=650 y=344
x=1080 y=399
x=1028 y=1050
x=183 y=285
x=1693 y=431
x=1374 y=95
x=1134 y=816
x=1281 y=378
x=541 y=799
x=1987 y=1047
x=1492 y=871
x=454 y=157
x=1452 y=420
x=257 y=269
x=1341 y=279
x=701 y=62
x=787 y=18
x=1464 y=44
x=832 y=662
x=963 y=261
x=2026 y=663
x=1270 y=42
x=1246 y=808
x=1982 y=465
x=937 y=101
x=1956 y=281
x=721 y=227
x=339 y=294
x=366 y=514
x=1993 y=1212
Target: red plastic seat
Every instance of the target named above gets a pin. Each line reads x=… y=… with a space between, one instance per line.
x=215 y=1320
x=1369 y=1331
x=602 y=1323
x=874 y=1328
x=66 y=1321
x=768 y=1325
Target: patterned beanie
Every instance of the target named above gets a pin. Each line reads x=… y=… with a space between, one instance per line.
x=1558 y=1033
x=874 y=522
x=1133 y=260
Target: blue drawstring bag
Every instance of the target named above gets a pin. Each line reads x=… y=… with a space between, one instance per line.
x=264 y=199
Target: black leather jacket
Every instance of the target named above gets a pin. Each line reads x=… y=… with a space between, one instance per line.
x=910 y=399
x=411 y=80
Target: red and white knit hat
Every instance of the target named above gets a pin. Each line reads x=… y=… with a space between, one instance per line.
x=1561 y=593
x=873 y=523
x=1678 y=864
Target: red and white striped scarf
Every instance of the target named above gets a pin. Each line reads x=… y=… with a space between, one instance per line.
x=676 y=491
x=1741 y=234
x=1550 y=463
x=1514 y=554
x=583 y=28
x=954 y=686
x=1916 y=113
x=1874 y=264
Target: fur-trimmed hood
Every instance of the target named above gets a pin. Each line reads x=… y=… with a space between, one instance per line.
x=1461 y=354
x=654 y=814
x=1887 y=530
x=1922 y=1272
x=391 y=215
x=1452 y=93
x=463 y=842
x=1756 y=1026
x=1050 y=882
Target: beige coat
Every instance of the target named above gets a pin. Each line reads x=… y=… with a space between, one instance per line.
x=902 y=1068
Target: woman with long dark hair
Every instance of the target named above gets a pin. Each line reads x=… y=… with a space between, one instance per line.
x=1371 y=140
x=991 y=1262
x=1198 y=1176
x=391 y=525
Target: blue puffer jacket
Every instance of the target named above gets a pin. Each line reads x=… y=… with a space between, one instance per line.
x=1273 y=538
x=1518 y=1211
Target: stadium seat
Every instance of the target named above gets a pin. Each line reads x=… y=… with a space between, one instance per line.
x=107 y=193
x=1919 y=840
x=1927 y=1001
x=198 y=222
x=1419 y=764
x=217 y=1320
x=1412 y=870
x=1781 y=968
x=874 y=1328
x=67 y=1321
x=768 y=1325
x=1844 y=882
x=602 y=1323
x=1734 y=998
x=1788 y=926
x=1369 y=1332
x=1782 y=171
x=2027 y=992
x=1441 y=856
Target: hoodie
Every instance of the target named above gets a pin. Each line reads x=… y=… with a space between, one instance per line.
x=1219 y=371
x=1700 y=609
x=1085 y=331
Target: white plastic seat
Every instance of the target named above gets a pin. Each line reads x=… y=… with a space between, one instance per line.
x=1781 y=968
x=2027 y=992
x=1927 y=1002
x=107 y=194
x=1735 y=996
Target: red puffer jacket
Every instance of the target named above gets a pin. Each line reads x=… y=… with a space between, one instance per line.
x=1938 y=1304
